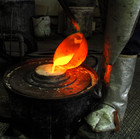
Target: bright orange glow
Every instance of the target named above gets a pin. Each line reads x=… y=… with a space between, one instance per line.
x=107 y=74
x=46 y=70
x=62 y=61
x=71 y=52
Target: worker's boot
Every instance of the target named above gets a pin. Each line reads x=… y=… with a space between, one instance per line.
x=112 y=110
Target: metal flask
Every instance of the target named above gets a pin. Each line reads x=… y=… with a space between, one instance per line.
x=49 y=107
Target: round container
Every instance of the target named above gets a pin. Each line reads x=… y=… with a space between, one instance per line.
x=45 y=107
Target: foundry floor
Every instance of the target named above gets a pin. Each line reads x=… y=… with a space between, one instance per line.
x=130 y=128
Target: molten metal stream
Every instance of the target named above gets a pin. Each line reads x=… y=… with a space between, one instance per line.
x=61 y=61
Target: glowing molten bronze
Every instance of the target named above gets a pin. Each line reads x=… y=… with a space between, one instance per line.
x=61 y=61
x=71 y=52
x=45 y=70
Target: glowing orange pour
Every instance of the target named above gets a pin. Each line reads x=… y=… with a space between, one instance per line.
x=71 y=52
x=62 y=61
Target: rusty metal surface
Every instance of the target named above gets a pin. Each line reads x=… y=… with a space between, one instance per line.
x=44 y=112
x=21 y=78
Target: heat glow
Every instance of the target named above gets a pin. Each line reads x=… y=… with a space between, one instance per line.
x=107 y=74
x=71 y=52
x=61 y=61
